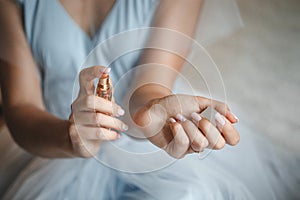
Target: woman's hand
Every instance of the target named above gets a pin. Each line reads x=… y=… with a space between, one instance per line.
x=174 y=123
x=93 y=118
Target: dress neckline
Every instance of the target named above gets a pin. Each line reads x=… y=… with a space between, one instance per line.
x=83 y=32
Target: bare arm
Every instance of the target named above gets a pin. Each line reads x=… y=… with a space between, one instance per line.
x=180 y=17
x=31 y=126
x=174 y=122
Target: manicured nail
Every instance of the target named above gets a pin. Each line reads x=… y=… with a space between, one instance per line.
x=124 y=127
x=180 y=117
x=205 y=142
x=237 y=119
x=172 y=120
x=196 y=117
x=105 y=70
x=121 y=112
x=220 y=119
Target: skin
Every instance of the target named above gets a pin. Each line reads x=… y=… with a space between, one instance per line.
x=152 y=105
x=93 y=119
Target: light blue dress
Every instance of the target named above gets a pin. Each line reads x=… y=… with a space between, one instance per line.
x=254 y=169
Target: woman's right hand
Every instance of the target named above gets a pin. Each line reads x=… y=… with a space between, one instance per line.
x=93 y=119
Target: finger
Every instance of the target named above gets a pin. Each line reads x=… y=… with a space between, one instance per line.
x=214 y=137
x=112 y=90
x=97 y=104
x=111 y=122
x=197 y=139
x=100 y=120
x=87 y=76
x=230 y=134
x=218 y=106
x=95 y=133
x=178 y=147
x=111 y=85
x=191 y=150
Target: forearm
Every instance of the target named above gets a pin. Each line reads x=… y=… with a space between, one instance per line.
x=172 y=47
x=39 y=132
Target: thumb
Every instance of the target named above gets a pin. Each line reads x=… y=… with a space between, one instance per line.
x=87 y=76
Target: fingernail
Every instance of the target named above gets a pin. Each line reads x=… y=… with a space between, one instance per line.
x=121 y=112
x=220 y=119
x=237 y=119
x=105 y=70
x=205 y=143
x=196 y=117
x=180 y=117
x=124 y=127
x=119 y=136
x=172 y=120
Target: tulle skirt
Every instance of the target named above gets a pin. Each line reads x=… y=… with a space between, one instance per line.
x=254 y=169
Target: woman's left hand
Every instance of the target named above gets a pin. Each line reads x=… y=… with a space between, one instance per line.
x=174 y=124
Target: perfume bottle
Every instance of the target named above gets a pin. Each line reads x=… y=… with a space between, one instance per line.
x=103 y=87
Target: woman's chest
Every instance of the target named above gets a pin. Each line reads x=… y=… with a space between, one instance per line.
x=60 y=46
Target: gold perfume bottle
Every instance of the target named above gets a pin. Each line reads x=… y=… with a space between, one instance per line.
x=103 y=87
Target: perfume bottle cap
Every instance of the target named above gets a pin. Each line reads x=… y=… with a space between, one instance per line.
x=104 y=82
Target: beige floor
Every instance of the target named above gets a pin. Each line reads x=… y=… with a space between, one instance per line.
x=260 y=65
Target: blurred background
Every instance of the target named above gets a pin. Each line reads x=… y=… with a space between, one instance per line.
x=260 y=65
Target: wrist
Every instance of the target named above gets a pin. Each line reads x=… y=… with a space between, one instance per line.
x=145 y=94
x=67 y=147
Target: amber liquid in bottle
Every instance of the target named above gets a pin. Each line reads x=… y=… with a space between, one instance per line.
x=103 y=87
